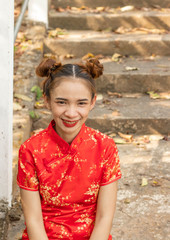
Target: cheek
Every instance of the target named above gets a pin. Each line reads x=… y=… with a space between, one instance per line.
x=85 y=111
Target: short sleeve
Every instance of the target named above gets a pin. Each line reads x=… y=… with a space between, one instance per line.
x=111 y=164
x=27 y=176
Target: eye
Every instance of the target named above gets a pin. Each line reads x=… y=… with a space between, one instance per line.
x=60 y=102
x=82 y=103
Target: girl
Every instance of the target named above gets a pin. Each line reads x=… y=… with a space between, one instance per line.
x=68 y=172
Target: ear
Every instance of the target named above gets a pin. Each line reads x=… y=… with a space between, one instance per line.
x=93 y=101
x=47 y=102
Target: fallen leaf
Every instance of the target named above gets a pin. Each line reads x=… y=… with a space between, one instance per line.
x=100 y=9
x=69 y=56
x=56 y=32
x=87 y=56
x=99 y=97
x=116 y=57
x=23 y=97
x=131 y=68
x=115 y=113
x=50 y=55
x=39 y=105
x=166 y=138
x=114 y=94
x=144 y=182
x=119 y=141
x=106 y=101
x=156 y=183
x=127 y=8
x=16 y=106
x=112 y=135
x=128 y=138
x=127 y=201
x=83 y=8
x=45 y=112
x=60 y=9
x=153 y=95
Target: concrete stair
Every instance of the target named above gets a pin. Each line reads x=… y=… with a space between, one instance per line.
x=80 y=43
x=110 y=3
x=143 y=64
x=84 y=20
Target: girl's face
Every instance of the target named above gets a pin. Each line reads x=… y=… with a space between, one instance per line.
x=70 y=103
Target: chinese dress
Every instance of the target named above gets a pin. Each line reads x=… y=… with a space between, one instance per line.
x=68 y=178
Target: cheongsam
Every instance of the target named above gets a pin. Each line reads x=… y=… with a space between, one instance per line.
x=68 y=178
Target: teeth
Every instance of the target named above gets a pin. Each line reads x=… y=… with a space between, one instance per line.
x=69 y=122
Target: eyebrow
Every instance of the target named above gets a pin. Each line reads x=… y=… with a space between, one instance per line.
x=64 y=99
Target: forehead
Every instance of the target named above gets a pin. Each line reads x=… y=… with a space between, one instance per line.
x=72 y=88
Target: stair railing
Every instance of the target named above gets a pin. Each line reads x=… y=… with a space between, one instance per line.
x=20 y=18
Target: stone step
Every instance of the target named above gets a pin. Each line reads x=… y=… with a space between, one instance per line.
x=135 y=114
x=80 y=43
x=111 y=3
x=151 y=74
x=102 y=21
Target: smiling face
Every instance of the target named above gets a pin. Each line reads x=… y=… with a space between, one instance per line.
x=70 y=103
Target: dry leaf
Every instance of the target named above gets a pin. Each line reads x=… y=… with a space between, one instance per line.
x=100 y=9
x=155 y=95
x=39 y=105
x=56 y=32
x=23 y=97
x=114 y=94
x=144 y=182
x=128 y=138
x=156 y=183
x=99 y=97
x=59 y=9
x=106 y=101
x=119 y=141
x=50 y=55
x=116 y=57
x=16 y=106
x=69 y=56
x=87 y=56
x=83 y=8
x=127 y=8
x=127 y=201
x=115 y=113
x=131 y=68
x=45 y=112
x=112 y=135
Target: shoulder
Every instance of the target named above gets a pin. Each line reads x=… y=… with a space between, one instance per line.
x=35 y=139
x=100 y=138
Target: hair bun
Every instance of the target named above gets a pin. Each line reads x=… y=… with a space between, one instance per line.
x=94 y=67
x=46 y=67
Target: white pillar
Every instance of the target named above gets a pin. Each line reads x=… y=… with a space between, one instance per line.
x=6 y=98
x=38 y=11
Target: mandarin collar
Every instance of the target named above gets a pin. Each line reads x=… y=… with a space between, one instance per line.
x=64 y=146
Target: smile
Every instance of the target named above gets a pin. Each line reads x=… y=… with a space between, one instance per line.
x=69 y=123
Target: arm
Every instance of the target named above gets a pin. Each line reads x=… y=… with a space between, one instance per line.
x=33 y=215
x=106 y=205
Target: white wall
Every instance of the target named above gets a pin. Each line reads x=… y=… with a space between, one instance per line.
x=6 y=97
x=38 y=11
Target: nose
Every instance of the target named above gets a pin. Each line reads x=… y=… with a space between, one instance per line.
x=71 y=112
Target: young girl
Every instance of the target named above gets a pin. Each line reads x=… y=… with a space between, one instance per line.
x=68 y=172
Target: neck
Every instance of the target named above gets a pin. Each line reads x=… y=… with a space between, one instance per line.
x=67 y=137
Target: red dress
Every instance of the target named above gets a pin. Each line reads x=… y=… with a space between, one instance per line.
x=68 y=178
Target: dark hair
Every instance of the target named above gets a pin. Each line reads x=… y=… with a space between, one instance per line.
x=55 y=71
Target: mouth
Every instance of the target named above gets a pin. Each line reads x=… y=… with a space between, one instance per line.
x=68 y=123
